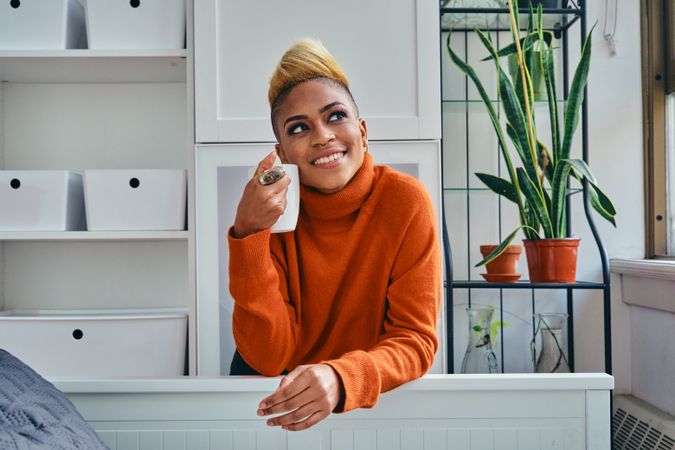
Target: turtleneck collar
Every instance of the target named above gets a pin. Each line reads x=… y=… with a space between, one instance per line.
x=343 y=202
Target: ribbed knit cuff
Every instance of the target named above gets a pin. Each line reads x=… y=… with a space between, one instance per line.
x=249 y=256
x=360 y=378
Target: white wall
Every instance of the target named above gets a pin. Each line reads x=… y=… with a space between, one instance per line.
x=653 y=357
x=615 y=144
x=616 y=152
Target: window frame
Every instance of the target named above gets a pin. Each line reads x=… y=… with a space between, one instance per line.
x=656 y=76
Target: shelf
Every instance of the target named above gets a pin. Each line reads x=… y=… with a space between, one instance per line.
x=95 y=66
x=480 y=102
x=497 y=19
x=572 y=191
x=524 y=284
x=88 y=236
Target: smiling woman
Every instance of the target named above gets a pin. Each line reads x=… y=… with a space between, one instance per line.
x=347 y=304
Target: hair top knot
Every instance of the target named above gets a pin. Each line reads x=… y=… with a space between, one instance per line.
x=306 y=59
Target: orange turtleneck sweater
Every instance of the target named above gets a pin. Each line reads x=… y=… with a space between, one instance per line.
x=356 y=286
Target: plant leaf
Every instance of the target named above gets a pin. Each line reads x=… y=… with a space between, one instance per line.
x=581 y=169
x=549 y=78
x=536 y=201
x=499 y=186
x=499 y=250
x=487 y=42
x=599 y=200
x=576 y=97
x=532 y=229
x=516 y=141
x=526 y=42
x=550 y=166
x=516 y=118
x=558 y=194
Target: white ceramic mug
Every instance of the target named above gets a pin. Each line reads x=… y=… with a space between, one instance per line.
x=289 y=219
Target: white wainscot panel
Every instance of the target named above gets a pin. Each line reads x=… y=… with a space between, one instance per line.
x=458 y=412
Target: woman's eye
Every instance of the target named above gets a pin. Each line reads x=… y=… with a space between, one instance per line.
x=298 y=128
x=337 y=115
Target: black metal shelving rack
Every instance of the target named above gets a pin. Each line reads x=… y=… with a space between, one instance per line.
x=559 y=21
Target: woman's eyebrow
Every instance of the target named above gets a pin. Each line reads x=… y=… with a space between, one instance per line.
x=292 y=118
x=322 y=110
x=329 y=106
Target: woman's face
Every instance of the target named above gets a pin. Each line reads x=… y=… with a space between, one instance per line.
x=319 y=131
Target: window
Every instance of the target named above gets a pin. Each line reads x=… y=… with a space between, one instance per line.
x=658 y=78
x=670 y=175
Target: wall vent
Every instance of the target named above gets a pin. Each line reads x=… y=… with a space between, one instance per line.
x=637 y=425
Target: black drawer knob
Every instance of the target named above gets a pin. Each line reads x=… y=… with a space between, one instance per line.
x=134 y=183
x=135 y=3
x=15 y=183
x=78 y=334
x=15 y=4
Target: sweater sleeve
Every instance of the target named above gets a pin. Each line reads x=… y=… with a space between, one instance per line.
x=264 y=322
x=406 y=347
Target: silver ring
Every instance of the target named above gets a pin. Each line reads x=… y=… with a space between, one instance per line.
x=271 y=176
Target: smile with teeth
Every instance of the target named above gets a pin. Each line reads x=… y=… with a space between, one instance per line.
x=328 y=159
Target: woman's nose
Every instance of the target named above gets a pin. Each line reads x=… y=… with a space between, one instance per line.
x=322 y=136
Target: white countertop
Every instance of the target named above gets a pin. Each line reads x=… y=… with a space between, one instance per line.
x=479 y=382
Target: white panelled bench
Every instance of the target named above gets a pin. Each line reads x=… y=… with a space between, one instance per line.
x=464 y=412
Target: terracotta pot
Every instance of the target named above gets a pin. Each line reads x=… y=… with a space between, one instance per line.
x=552 y=260
x=504 y=264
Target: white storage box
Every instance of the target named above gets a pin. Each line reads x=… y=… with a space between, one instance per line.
x=97 y=344
x=41 y=25
x=41 y=200
x=135 y=199
x=135 y=24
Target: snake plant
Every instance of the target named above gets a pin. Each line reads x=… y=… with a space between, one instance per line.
x=540 y=185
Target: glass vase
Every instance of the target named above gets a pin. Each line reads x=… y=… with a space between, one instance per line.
x=551 y=328
x=479 y=357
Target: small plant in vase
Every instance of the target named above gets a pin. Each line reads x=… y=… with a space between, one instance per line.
x=539 y=187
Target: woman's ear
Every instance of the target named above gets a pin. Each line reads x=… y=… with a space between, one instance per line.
x=364 y=132
x=281 y=153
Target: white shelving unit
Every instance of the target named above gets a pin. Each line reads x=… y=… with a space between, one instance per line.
x=98 y=109
x=81 y=66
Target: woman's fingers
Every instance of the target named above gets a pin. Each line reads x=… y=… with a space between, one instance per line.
x=266 y=163
x=299 y=400
x=275 y=204
x=310 y=421
x=295 y=416
x=278 y=186
x=290 y=386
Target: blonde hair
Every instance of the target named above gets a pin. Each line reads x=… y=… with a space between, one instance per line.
x=306 y=59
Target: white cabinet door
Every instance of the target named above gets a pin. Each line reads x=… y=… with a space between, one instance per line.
x=221 y=174
x=388 y=49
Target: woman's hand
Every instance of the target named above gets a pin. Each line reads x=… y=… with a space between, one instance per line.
x=260 y=206
x=308 y=395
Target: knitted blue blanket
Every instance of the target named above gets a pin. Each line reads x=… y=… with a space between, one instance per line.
x=36 y=415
